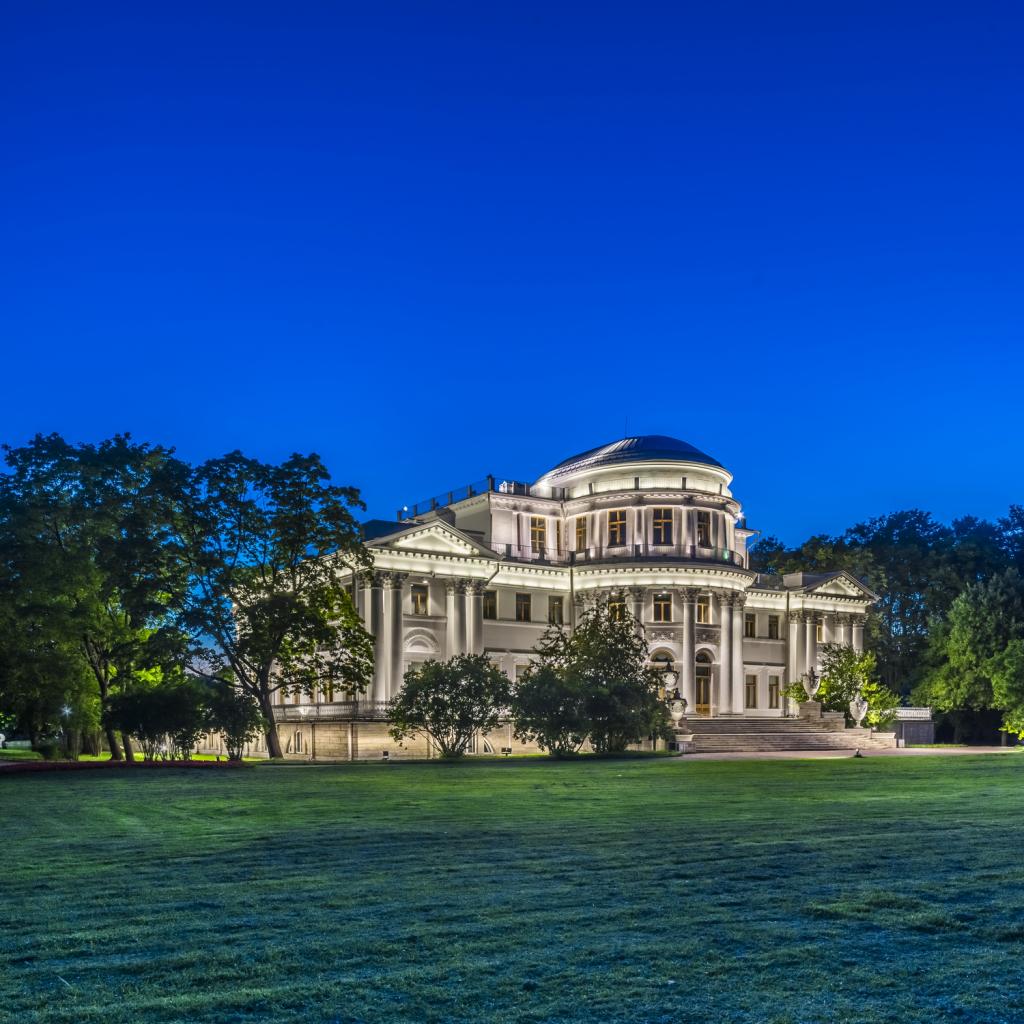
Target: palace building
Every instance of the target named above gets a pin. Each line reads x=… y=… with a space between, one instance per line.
x=649 y=524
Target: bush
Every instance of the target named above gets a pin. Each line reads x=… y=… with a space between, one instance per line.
x=235 y=716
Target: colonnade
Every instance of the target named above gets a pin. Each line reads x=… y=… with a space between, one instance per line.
x=383 y=610
x=802 y=648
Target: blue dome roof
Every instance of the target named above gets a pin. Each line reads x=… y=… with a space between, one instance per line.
x=649 y=448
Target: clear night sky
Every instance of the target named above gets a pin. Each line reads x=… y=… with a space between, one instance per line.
x=434 y=241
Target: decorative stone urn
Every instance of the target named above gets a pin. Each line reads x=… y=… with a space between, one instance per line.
x=812 y=683
x=858 y=708
x=676 y=711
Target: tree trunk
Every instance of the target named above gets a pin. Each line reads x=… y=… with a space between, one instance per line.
x=115 y=747
x=129 y=753
x=273 y=739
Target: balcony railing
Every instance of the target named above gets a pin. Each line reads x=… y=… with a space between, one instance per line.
x=624 y=553
x=334 y=711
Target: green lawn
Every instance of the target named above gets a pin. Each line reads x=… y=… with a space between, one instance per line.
x=658 y=890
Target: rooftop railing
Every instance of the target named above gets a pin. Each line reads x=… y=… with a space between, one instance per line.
x=332 y=711
x=624 y=553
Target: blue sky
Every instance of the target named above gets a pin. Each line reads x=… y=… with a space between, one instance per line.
x=432 y=241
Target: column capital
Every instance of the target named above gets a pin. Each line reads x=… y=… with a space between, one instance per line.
x=810 y=617
x=394 y=580
x=689 y=594
x=474 y=587
x=739 y=599
x=637 y=593
x=795 y=618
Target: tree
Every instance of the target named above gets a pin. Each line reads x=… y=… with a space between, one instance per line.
x=846 y=673
x=549 y=708
x=235 y=716
x=84 y=552
x=268 y=550
x=604 y=663
x=451 y=700
x=978 y=653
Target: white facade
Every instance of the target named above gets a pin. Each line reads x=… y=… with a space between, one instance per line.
x=650 y=522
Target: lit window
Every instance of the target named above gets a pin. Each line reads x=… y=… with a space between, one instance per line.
x=523 y=608
x=555 y=611
x=617 y=528
x=617 y=609
x=704 y=529
x=538 y=533
x=581 y=533
x=663 y=526
x=819 y=632
x=773 y=627
x=420 y=597
x=703 y=609
x=751 y=691
x=490 y=604
x=773 y=691
x=662 y=607
x=749 y=624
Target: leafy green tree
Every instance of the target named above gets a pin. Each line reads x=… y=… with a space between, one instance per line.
x=84 y=552
x=604 y=661
x=549 y=708
x=235 y=716
x=267 y=550
x=845 y=673
x=451 y=700
x=976 y=655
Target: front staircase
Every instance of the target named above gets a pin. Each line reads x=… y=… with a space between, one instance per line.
x=741 y=735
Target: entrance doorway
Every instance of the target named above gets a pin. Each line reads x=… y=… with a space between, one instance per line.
x=703 y=684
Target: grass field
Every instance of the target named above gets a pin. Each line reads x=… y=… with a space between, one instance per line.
x=881 y=889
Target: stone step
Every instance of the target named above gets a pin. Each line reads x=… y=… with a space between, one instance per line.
x=822 y=740
x=739 y=725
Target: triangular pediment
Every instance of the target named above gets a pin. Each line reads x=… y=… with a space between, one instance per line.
x=434 y=538
x=842 y=585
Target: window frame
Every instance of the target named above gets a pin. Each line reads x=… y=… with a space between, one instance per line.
x=750 y=625
x=581 y=533
x=524 y=600
x=662 y=608
x=490 y=598
x=661 y=527
x=750 y=693
x=702 y=611
x=556 y=602
x=619 y=527
x=617 y=609
x=538 y=534
x=703 y=528
x=774 y=693
x=416 y=592
x=773 y=627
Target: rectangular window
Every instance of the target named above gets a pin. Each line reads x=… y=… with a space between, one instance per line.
x=420 y=600
x=523 y=608
x=538 y=534
x=703 y=529
x=581 y=533
x=751 y=691
x=819 y=632
x=617 y=528
x=490 y=604
x=617 y=609
x=555 y=611
x=773 y=691
x=773 y=627
x=663 y=526
x=703 y=610
x=749 y=624
x=662 y=607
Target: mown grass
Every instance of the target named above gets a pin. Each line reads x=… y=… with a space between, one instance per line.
x=786 y=892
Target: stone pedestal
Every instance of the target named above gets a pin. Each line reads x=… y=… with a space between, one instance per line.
x=809 y=709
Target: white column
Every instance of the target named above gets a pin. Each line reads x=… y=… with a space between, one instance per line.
x=858 y=633
x=738 y=682
x=474 y=617
x=689 y=597
x=379 y=628
x=397 y=633
x=725 y=652
x=451 y=596
x=810 y=642
x=795 y=648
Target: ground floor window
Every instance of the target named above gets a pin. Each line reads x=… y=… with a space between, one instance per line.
x=490 y=604
x=703 y=609
x=751 y=688
x=773 y=627
x=617 y=609
x=420 y=597
x=662 y=607
x=750 y=624
x=555 y=611
x=773 y=691
x=523 y=608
